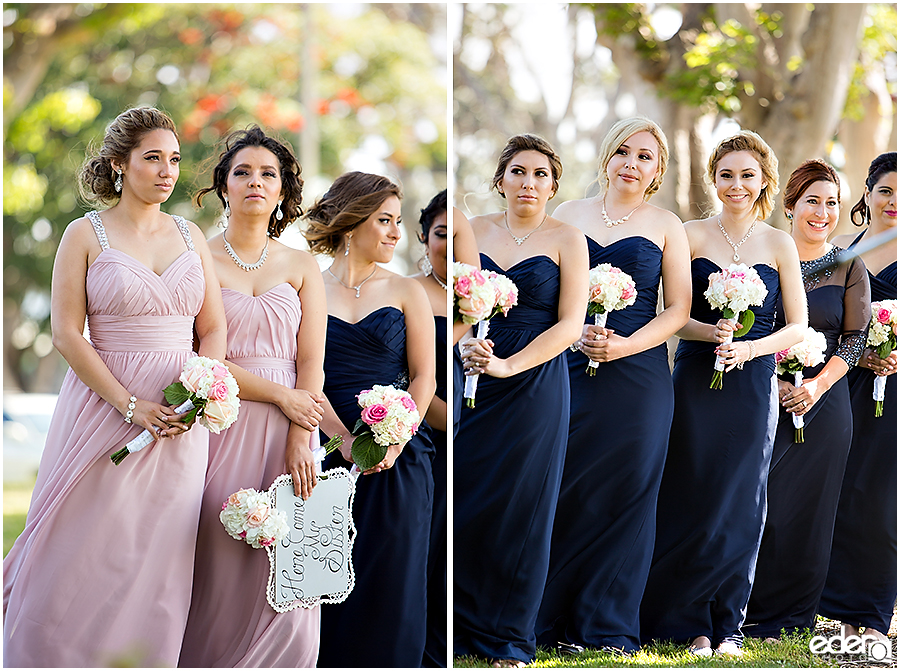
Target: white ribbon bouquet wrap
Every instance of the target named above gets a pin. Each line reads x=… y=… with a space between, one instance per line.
x=610 y=289
x=479 y=295
x=883 y=339
x=733 y=290
x=206 y=390
x=807 y=353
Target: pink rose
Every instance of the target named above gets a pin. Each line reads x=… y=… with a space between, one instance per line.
x=218 y=391
x=192 y=377
x=266 y=542
x=780 y=356
x=408 y=403
x=478 y=277
x=235 y=499
x=374 y=414
x=474 y=306
x=220 y=371
x=884 y=315
x=257 y=516
x=219 y=415
x=463 y=286
x=628 y=292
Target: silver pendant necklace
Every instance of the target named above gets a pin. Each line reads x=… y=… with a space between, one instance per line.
x=358 y=286
x=246 y=266
x=615 y=222
x=736 y=257
x=438 y=280
x=519 y=240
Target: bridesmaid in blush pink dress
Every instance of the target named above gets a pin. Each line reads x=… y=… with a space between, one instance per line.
x=101 y=575
x=275 y=351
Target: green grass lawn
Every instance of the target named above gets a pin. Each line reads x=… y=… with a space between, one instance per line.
x=16 y=498
x=789 y=652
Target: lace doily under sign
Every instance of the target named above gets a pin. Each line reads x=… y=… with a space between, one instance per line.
x=313 y=564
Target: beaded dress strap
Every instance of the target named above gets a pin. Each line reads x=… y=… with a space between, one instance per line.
x=185 y=231
x=97 y=223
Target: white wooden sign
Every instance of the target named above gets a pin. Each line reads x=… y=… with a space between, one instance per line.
x=313 y=564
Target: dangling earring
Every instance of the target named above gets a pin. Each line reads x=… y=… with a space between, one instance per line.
x=118 y=183
x=278 y=215
x=223 y=220
x=347 y=250
x=790 y=216
x=427 y=268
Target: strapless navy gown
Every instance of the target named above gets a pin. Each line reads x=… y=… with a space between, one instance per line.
x=712 y=499
x=618 y=434
x=805 y=478
x=508 y=462
x=436 y=638
x=861 y=586
x=382 y=622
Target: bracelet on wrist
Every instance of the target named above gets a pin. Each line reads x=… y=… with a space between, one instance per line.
x=131 y=404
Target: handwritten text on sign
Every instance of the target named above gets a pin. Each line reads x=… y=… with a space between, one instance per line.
x=314 y=558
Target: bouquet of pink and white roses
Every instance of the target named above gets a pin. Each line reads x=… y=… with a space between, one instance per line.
x=478 y=296
x=611 y=289
x=474 y=297
x=248 y=515
x=883 y=339
x=206 y=390
x=389 y=417
x=807 y=353
x=733 y=291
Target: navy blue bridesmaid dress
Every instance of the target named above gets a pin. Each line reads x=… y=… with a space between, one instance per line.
x=436 y=637
x=508 y=462
x=805 y=478
x=712 y=499
x=605 y=522
x=861 y=586
x=382 y=622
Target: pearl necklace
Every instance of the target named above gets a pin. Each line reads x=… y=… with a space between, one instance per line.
x=519 y=240
x=615 y=222
x=246 y=266
x=736 y=257
x=358 y=286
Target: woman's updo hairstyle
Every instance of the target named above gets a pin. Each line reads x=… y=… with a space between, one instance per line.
x=96 y=177
x=882 y=165
x=430 y=212
x=747 y=140
x=349 y=201
x=615 y=138
x=527 y=142
x=288 y=167
x=808 y=173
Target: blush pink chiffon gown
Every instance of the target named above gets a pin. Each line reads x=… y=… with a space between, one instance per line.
x=231 y=624
x=101 y=575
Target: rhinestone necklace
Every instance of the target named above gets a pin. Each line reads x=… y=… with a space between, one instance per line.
x=519 y=240
x=615 y=222
x=358 y=286
x=246 y=266
x=438 y=279
x=736 y=257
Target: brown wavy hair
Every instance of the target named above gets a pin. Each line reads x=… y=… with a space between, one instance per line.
x=288 y=167
x=349 y=201
x=808 y=173
x=96 y=177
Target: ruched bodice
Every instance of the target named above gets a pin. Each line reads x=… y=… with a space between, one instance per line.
x=701 y=269
x=262 y=330
x=369 y=352
x=536 y=310
x=640 y=258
